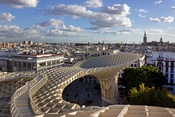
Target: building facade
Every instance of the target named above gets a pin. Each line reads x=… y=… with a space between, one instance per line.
x=95 y=53
x=25 y=62
x=165 y=61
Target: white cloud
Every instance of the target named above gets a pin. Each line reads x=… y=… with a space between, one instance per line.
x=51 y=27
x=154 y=19
x=20 y=3
x=155 y=31
x=59 y=32
x=143 y=10
x=93 y=3
x=171 y=27
x=71 y=28
x=112 y=21
x=171 y=35
x=6 y=17
x=158 y=2
x=56 y=27
x=93 y=28
x=117 y=32
x=140 y=15
x=72 y=10
x=118 y=9
x=162 y=19
x=167 y=19
x=107 y=18
x=13 y=32
x=173 y=7
x=69 y=31
x=51 y=22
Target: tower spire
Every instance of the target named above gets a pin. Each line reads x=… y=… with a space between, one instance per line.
x=145 y=39
x=145 y=34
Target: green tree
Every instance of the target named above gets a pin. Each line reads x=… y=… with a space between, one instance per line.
x=149 y=75
x=151 y=96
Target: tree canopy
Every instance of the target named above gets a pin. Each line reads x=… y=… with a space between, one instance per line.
x=151 y=96
x=149 y=75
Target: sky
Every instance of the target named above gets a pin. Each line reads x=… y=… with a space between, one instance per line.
x=83 y=21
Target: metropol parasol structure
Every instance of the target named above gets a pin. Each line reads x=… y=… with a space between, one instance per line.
x=41 y=94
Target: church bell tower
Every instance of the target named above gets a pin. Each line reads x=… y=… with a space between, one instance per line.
x=145 y=39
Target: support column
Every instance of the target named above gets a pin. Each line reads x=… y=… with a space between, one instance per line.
x=109 y=90
x=37 y=67
x=173 y=75
x=46 y=65
x=51 y=64
x=169 y=73
x=164 y=68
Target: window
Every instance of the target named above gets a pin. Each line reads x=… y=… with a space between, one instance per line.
x=172 y=69
x=172 y=64
x=166 y=69
x=172 y=76
x=170 y=88
x=166 y=75
x=167 y=63
x=171 y=81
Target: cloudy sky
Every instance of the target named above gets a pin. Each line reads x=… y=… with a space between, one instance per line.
x=70 y=21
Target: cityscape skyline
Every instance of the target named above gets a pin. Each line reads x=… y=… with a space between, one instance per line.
x=87 y=21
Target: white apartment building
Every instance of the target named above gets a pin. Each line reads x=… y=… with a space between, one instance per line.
x=27 y=62
x=165 y=61
x=93 y=52
x=140 y=62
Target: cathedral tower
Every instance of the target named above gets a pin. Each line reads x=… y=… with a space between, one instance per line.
x=145 y=40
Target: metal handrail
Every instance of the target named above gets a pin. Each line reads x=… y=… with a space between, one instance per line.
x=17 y=93
x=32 y=92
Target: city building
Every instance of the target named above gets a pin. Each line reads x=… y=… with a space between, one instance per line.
x=6 y=45
x=165 y=61
x=30 y=42
x=94 y=52
x=27 y=62
x=25 y=42
x=161 y=45
x=140 y=62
